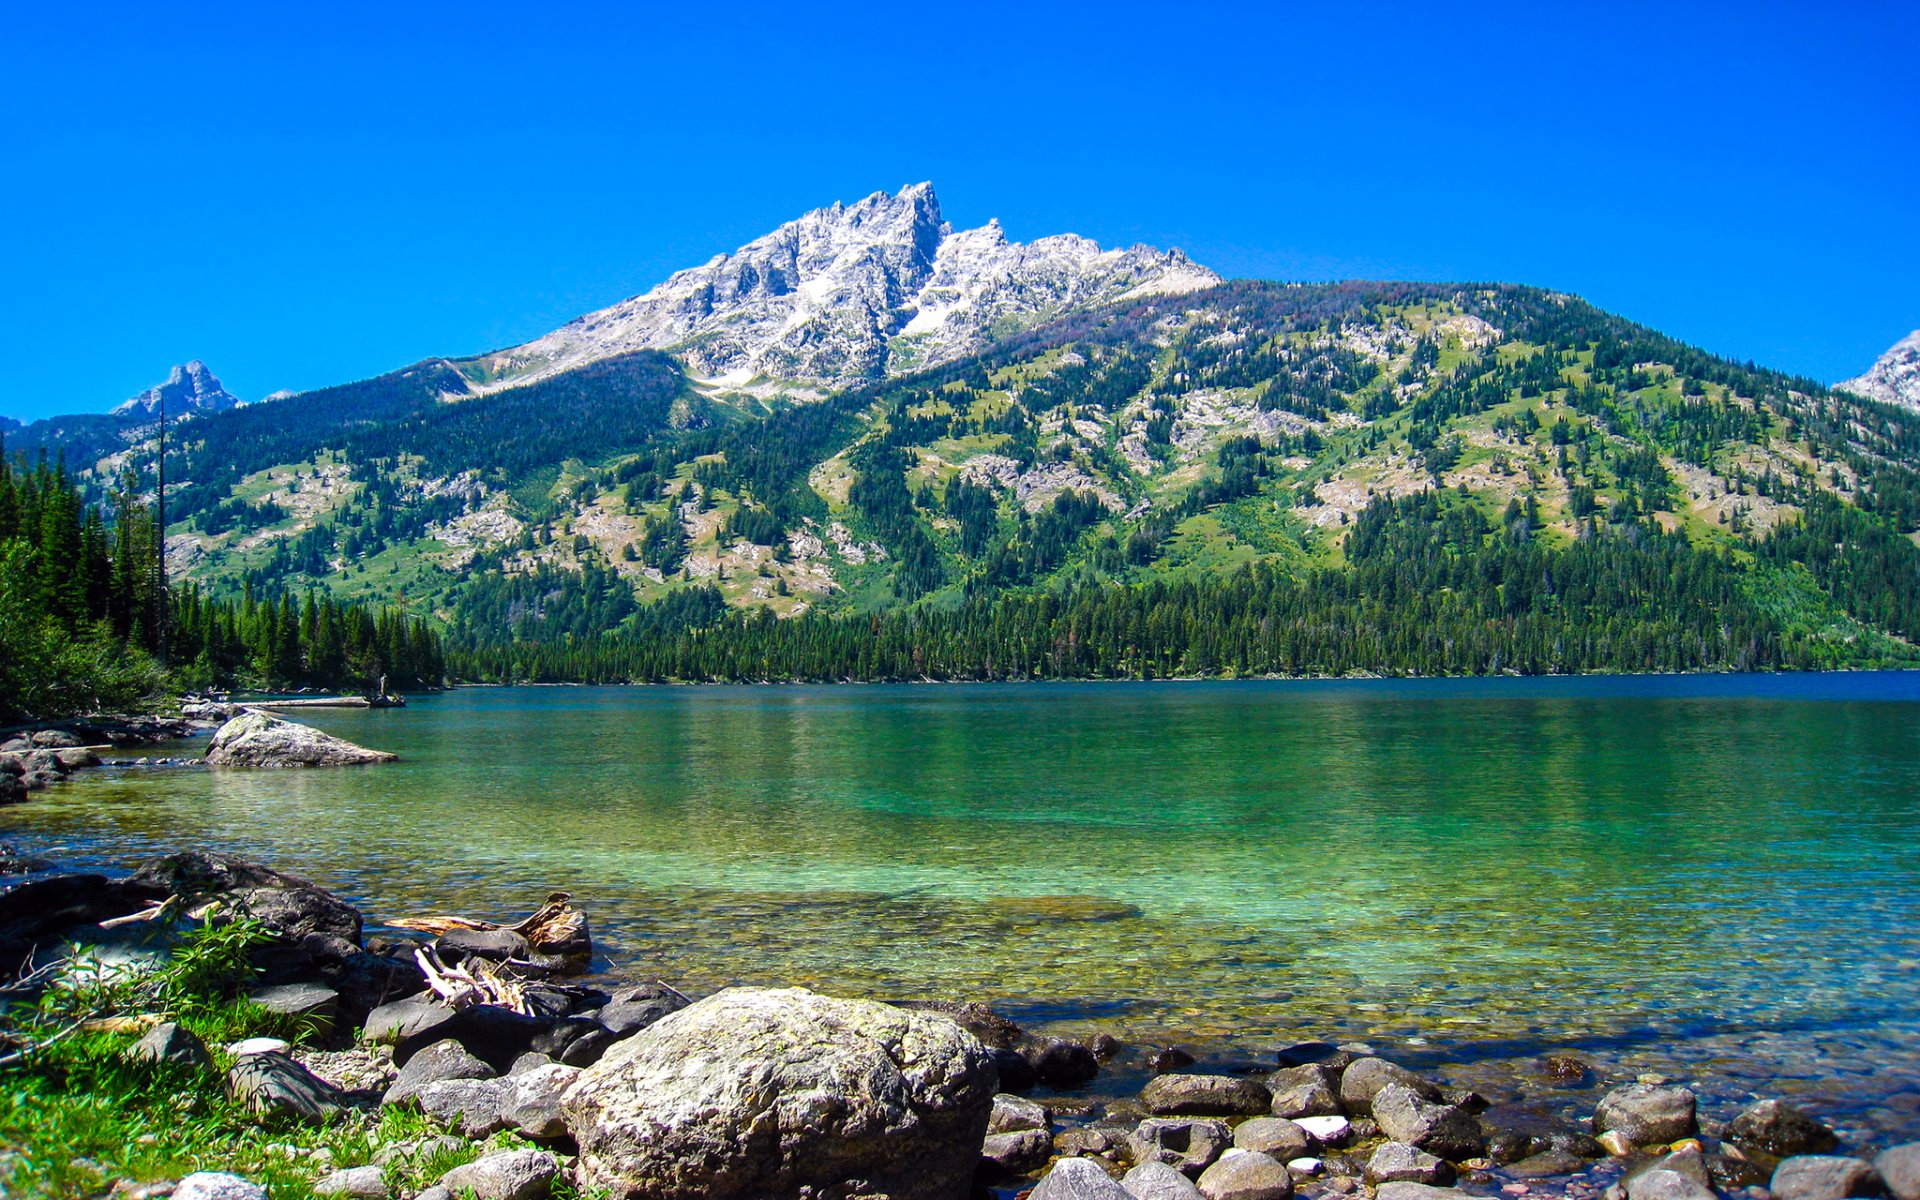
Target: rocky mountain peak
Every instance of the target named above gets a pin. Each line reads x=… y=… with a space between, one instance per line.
x=1895 y=378
x=189 y=387
x=849 y=294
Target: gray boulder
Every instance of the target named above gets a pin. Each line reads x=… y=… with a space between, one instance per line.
x=1246 y=1175
x=1188 y=1146
x=442 y=1060
x=1397 y=1162
x=273 y=1084
x=1277 y=1136
x=635 y=1008
x=169 y=1042
x=782 y=1093
x=1158 y=1181
x=531 y=1103
x=1776 y=1128
x=1364 y=1077
x=510 y=1175
x=1078 y=1179
x=1899 y=1169
x=258 y=739
x=1017 y=1152
x=1014 y=1113
x=354 y=1183
x=217 y=1185
x=1309 y=1090
x=1823 y=1177
x=471 y=1106
x=1204 y=1096
x=1647 y=1114
x=1663 y=1184
x=314 y=1004
x=1417 y=1191
x=1442 y=1129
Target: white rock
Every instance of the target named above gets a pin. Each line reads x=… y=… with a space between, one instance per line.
x=1895 y=378
x=217 y=1185
x=1327 y=1131
x=258 y=1045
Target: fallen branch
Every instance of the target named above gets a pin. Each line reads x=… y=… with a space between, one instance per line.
x=32 y=1048
x=467 y=985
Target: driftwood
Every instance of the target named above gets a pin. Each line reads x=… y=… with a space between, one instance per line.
x=556 y=932
x=473 y=982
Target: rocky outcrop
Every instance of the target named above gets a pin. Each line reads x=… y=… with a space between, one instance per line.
x=785 y=1093
x=188 y=388
x=257 y=739
x=849 y=295
x=1895 y=378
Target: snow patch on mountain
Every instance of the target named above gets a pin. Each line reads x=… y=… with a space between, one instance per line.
x=1895 y=379
x=851 y=294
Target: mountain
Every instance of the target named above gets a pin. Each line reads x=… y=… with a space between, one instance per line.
x=188 y=388
x=847 y=295
x=1895 y=378
x=939 y=453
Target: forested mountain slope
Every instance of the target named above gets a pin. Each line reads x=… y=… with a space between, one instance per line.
x=1251 y=478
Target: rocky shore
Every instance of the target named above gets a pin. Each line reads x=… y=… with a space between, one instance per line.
x=538 y=1083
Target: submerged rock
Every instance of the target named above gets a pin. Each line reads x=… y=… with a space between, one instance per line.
x=1646 y=1114
x=258 y=739
x=772 y=1093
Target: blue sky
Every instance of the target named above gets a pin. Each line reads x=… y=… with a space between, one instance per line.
x=305 y=196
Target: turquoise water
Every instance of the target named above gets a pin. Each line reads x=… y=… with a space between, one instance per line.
x=1716 y=877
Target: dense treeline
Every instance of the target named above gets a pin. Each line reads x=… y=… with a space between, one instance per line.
x=1433 y=588
x=85 y=624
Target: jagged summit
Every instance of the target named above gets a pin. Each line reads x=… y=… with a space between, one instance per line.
x=1895 y=379
x=849 y=294
x=190 y=387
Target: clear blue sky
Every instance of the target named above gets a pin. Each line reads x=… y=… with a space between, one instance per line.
x=307 y=194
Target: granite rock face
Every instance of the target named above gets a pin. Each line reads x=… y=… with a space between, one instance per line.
x=1895 y=378
x=772 y=1093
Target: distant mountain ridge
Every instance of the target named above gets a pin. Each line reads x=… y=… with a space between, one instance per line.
x=850 y=294
x=1895 y=378
x=188 y=387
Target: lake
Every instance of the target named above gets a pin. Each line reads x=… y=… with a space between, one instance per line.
x=1716 y=878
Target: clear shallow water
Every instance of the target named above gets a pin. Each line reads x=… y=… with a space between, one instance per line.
x=1713 y=877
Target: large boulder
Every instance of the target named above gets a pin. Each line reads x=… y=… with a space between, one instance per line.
x=273 y=1084
x=1823 y=1177
x=1899 y=1169
x=635 y=1008
x=1078 y=1179
x=257 y=739
x=1308 y=1090
x=1647 y=1114
x=1777 y=1128
x=1443 y=1129
x=1246 y=1175
x=1158 y=1181
x=293 y=907
x=446 y=1059
x=1277 y=1136
x=1204 y=1096
x=771 y=1093
x=508 y=1175
x=1364 y=1077
x=1188 y=1146
x=172 y=1043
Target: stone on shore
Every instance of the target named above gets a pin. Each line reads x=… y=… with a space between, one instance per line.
x=354 y=1183
x=1011 y=1114
x=1364 y=1077
x=1822 y=1177
x=1078 y=1179
x=1442 y=1129
x=173 y=1043
x=258 y=739
x=217 y=1185
x=1397 y=1162
x=782 y=1093
x=1017 y=1152
x=632 y=1009
x=1417 y=1191
x=1326 y=1131
x=1647 y=1114
x=1776 y=1128
x=313 y=1004
x=531 y=1104
x=1308 y=1090
x=1188 y=1146
x=1204 y=1096
x=1277 y=1136
x=1158 y=1181
x=272 y=1084
x=1664 y=1184
x=470 y=1106
x=1246 y=1175
x=510 y=1175
x=442 y=1060
x=1899 y=1169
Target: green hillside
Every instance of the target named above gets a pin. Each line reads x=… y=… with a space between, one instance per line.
x=1260 y=478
